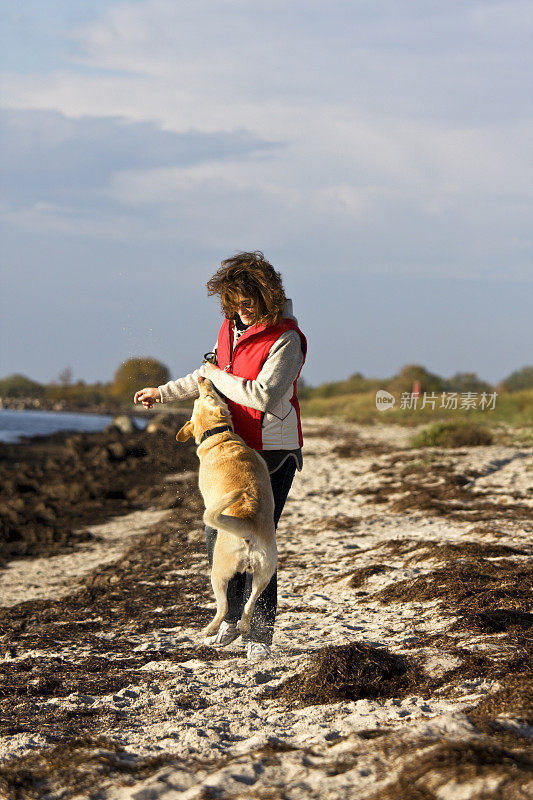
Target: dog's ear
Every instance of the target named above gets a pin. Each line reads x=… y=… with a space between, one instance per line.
x=185 y=433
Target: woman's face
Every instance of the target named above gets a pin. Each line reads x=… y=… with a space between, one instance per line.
x=246 y=310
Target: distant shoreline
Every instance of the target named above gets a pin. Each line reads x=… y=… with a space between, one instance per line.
x=62 y=406
x=42 y=404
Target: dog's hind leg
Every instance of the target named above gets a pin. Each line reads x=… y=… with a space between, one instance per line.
x=220 y=588
x=260 y=582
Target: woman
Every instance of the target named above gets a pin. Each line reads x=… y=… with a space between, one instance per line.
x=259 y=354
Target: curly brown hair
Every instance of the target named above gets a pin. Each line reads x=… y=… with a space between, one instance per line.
x=249 y=276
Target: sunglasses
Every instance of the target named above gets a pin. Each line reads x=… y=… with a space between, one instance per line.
x=245 y=305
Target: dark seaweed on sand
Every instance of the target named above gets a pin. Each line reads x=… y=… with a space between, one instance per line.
x=437 y=489
x=52 y=485
x=359 y=576
x=436 y=549
x=447 y=550
x=428 y=767
x=495 y=620
x=78 y=768
x=136 y=595
x=346 y=672
x=354 y=447
x=474 y=585
x=513 y=701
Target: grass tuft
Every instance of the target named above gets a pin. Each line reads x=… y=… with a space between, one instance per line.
x=452 y=434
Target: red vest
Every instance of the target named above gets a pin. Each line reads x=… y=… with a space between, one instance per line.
x=246 y=361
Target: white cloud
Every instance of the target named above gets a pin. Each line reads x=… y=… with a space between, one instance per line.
x=390 y=120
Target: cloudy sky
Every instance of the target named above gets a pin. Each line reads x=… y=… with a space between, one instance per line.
x=377 y=151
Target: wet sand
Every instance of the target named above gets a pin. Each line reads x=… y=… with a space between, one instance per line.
x=402 y=660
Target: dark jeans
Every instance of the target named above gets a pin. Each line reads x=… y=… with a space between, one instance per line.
x=240 y=586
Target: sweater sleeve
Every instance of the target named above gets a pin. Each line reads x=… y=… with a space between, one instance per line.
x=278 y=373
x=183 y=389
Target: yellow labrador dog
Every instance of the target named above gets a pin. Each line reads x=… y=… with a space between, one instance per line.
x=233 y=479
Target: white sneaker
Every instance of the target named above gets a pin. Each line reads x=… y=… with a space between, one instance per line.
x=256 y=651
x=226 y=634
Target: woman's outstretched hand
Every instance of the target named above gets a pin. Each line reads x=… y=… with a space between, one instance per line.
x=147 y=397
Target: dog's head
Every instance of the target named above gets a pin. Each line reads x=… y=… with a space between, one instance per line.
x=209 y=411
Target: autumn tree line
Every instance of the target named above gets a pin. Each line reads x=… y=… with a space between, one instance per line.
x=135 y=373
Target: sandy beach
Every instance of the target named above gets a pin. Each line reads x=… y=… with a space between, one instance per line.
x=401 y=661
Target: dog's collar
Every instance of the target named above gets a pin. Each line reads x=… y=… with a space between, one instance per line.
x=212 y=431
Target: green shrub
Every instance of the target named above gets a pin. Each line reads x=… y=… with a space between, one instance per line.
x=404 y=380
x=20 y=386
x=136 y=373
x=467 y=382
x=452 y=434
x=355 y=384
x=520 y=379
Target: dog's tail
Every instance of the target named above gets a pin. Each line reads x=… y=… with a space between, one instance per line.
x=214 y=517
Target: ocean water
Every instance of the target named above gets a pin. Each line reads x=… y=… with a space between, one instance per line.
x=14 y=424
